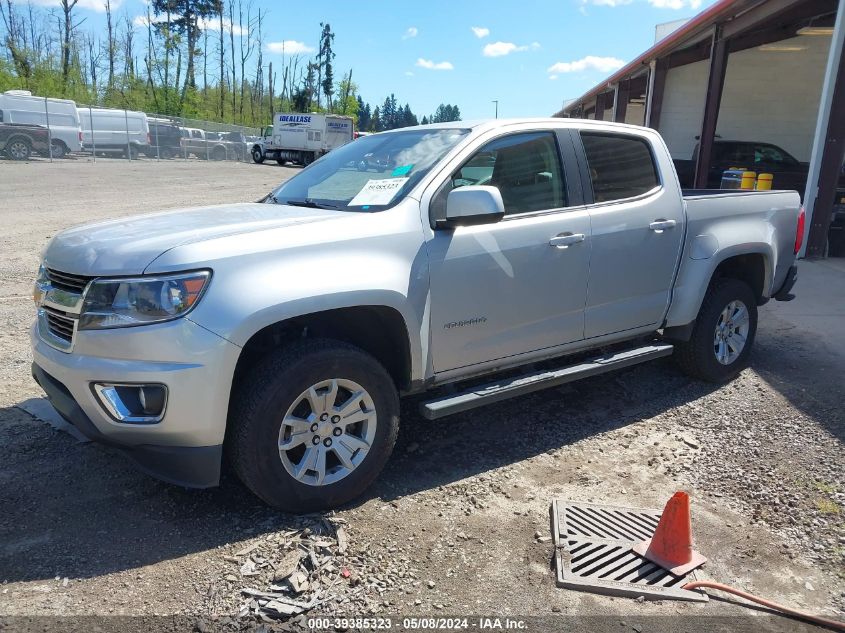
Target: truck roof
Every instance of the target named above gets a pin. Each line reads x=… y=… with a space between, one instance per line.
x=478 y=125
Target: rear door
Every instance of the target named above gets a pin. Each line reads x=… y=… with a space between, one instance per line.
x=517 y=285
x=637 y=232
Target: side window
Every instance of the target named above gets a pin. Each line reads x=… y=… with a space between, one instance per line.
x=621 y=166
x=524 y=167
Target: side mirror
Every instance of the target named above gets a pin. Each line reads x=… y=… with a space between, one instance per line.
x=470 y=206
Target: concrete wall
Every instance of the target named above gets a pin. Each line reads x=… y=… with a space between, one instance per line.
x=769 y=95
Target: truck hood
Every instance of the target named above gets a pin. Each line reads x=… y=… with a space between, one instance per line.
x=128 y=245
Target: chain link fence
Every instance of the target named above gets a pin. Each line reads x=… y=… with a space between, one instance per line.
x=55 y=129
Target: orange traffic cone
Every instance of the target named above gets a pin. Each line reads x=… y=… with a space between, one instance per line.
x=671 y=545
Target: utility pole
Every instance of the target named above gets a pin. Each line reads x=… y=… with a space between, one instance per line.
x=496 y=101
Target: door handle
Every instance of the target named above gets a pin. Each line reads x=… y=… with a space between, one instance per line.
x=658 y=226
x=565 y=240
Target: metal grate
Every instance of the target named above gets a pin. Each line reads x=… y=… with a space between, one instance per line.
x=60 y=325
x=593 y=552
x=67 y=281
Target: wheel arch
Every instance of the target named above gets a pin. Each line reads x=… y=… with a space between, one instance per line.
x=750 y=263
x=19 y=137
x=377 y=329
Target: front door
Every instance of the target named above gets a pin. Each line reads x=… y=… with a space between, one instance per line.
x=518 y=285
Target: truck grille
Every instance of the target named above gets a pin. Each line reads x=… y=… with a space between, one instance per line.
x=60 y=324
x=67 y=281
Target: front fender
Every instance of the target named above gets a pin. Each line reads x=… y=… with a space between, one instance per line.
x=265 y=277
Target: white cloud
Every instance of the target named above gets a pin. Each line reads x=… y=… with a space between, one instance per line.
x=552 y=77
x=427 y=63
x=210 y=24
x=675 y=4
x=92 y=5
x=289 y=47
x=411 y=32
x=213 y=24
x=480 y=31
x=408 y=73
x=499 y=49
x=590 y=62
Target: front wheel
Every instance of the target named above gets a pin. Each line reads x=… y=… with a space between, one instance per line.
x=313 y=425
x=257 y=155
x=723 y=334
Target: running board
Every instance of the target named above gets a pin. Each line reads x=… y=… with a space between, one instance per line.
x=528 y=383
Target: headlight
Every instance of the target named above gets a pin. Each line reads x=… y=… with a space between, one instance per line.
x=111 y=303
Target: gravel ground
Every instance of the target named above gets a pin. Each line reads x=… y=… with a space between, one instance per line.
x=457 y=523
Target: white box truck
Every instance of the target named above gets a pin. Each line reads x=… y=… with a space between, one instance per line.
x=59 y=115
x=302 y=138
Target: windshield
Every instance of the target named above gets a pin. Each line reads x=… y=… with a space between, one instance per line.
x=370 y=174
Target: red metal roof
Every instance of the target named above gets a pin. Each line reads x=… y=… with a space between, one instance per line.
x=703 y=20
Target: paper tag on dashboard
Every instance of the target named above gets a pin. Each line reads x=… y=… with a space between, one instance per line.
x=378 y=192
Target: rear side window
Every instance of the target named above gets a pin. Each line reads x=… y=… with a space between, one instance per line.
x=621 y=166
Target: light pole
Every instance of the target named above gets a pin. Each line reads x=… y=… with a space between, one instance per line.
x=496 y=101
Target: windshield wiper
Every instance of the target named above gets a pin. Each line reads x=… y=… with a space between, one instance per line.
x=307 y=202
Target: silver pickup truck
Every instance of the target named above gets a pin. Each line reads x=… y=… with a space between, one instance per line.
x=497 y=258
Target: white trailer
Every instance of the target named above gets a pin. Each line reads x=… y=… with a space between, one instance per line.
x=302 y=138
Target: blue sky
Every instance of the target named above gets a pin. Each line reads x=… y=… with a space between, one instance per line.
x=530 y=55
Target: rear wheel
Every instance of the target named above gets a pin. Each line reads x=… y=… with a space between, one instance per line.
x=281 y=161
x=313 y=425
x=18 y=149
x=723 y=334
x=58 y=149
x=218 y=153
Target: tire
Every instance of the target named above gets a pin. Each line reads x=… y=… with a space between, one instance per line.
x=59 y=150
x=131 y=153
x=257 y=155
x=277 y=389
x=218 y=153
x=281 y=161
x=699 y=357
x=165 y=153
x=18 y=149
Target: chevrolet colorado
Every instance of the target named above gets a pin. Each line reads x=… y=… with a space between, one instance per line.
x=282 y=333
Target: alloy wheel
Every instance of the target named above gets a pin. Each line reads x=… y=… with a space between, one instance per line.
x=327 y=432
x=731 y=332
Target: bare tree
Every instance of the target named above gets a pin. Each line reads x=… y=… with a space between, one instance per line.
x=270 y=79
x=222 y=67
x=15 y=42
x=246 y=45
x=111 y=44
x=128 y=48
x=67 y=11
x=232 y=42
x=94 y=55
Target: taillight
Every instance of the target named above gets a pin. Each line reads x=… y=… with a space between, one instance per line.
x=149 y=139
x=799 y=231
x=80 y=136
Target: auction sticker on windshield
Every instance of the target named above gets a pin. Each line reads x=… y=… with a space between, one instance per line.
x=378 y=192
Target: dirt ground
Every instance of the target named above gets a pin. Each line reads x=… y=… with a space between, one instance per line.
x=457 y=522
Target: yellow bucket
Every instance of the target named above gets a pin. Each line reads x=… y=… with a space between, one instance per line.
x=748 y=180
x=764 y=182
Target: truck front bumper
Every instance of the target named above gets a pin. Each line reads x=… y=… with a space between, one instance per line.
x=184 y=447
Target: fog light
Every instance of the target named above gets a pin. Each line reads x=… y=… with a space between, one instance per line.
x=132 y=404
